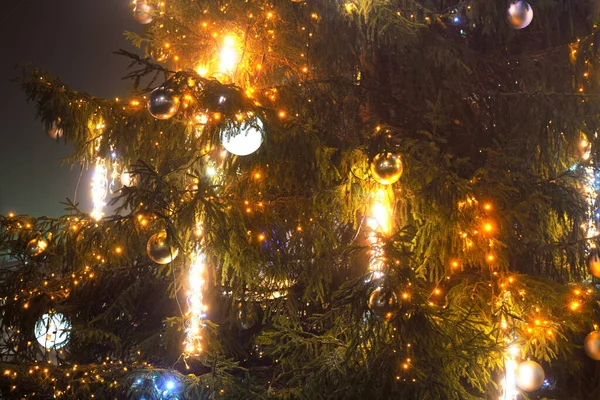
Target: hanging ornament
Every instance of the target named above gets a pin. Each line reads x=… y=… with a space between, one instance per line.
x=53 y=130
x=159 y=54
x=383 y=303
x=519 y=14
x=52 y=331
x=159 y=250
x=36 y=247
x=387 y=168
x=246 y=315
x=592 y=345
x=594 y=264
x=163 y=103
x=244 y=140
x=127 y=179
x=143 y=12
x=530 y=376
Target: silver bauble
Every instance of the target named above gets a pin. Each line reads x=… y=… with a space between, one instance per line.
x=143 y=12
x=592 y=345
x=53 y=130
x=163 y=103
x=530 y=376
x=383 y=303
x=519 y=14
x=35 y=247
x=159 y=250
x=127 y=179
x=246 y=315
x=387 y=168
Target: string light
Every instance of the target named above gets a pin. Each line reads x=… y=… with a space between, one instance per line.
x=196 y=311
x=99 y=189
x=229 y=55
x=509 y=383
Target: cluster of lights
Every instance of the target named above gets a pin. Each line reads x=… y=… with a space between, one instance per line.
x=509 y=383
x=379 y=223
x=196 y=309
x=99 y=189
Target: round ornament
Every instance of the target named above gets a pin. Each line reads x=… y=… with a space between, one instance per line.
x=387 y=168
x=159 y=54
x=246 y=315
x=519 y=14
x=383 y=303
x=128 y=179
x=52 y=331
x=143 y=12
x=163 y=103
x=530 y=376
x=594 y=264
x=244 y=140
x=53 y=131
x=36 y=247
x=592 y=345
x=159 y=250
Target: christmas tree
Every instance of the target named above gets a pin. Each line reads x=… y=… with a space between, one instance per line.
x=321 y=199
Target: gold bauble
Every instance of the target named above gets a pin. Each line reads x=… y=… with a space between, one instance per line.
x=383 y=303
x=594 y=264
x=387 y=168
x=592 y=345
x=159 y=250
x=35 y=247
x=530 y=376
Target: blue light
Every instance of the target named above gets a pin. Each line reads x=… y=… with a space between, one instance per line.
x=170 y=385
x=456 y=20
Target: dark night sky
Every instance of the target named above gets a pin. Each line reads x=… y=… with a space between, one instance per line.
x=71 y=39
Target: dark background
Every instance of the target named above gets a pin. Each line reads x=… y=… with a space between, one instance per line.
x=71 y=39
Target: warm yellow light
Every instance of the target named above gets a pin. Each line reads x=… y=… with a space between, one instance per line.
x=201 y=70
x=575 y=305
x=282 y=114
x=488 y=227
x=229 y=55
x=261 y=237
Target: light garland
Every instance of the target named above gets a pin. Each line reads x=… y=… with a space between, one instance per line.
x=99 y=189
x=196 y=309
x=379 y=222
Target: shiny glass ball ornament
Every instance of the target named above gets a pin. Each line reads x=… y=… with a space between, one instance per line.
x=592 y=345
x=594 y=264
x=53 y=131
x=159 y=250
x=127 y=179
x=244 y=140
x=387 y=168
x=52 y=331
x=519 y=14
x=530 y=376
x=163 y=103
x=383 y=303
x=246 y=315
x=159 y=54
x=35 y=247
x=143 y=12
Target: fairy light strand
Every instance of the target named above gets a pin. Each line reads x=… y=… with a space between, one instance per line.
x=196 y=307
x=99 y=189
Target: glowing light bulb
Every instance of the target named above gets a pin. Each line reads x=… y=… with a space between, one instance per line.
x=229 y=55
x=196 y=311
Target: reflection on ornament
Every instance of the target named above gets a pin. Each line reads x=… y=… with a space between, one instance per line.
x=530 y=376
x=246 y=315
x=592 y=345
x=143 y=12
x=53 y=130
x=519 y=14
x=163 y=103
x=244 y=140
x=52 y=331
x=158 y=249
x=35 y=247
x=594 y=264
x=387 y=168
x=383 y=303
